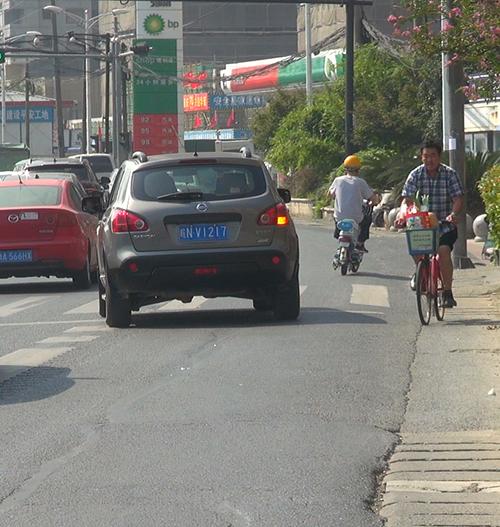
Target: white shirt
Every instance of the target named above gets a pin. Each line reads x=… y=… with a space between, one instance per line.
x=350 y=191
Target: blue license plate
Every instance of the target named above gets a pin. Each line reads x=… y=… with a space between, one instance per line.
x=203 y=232
x=17 y=256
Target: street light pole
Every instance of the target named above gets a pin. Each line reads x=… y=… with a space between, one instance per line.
x=349 y=77
x=307 y=35
x=57 y=87
x=88 y=98
x=27 y=89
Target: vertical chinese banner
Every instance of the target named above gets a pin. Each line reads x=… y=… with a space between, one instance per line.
x=158 y=103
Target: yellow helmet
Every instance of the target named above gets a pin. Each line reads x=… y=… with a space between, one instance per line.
x=352 y=162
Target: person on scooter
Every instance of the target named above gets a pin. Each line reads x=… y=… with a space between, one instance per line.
x=349 y=192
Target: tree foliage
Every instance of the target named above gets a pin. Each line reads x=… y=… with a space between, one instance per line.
x=397 y=104
x=470 y=33
x=267 y=120
x=490 y=192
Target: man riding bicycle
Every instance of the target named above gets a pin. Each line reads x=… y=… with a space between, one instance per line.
x=446 y=199
x=349 y=192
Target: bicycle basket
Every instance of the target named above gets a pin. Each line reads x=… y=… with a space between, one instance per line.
x=422 y=241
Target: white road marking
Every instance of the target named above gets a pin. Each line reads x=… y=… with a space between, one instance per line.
x=359 y=312
x=20 y=305
x=302 y=289
x=177 y=305
x=370 y=295
x=85 y=309
x=44 y=323
x=68 y=339
x=86 y=329
x=23 y=359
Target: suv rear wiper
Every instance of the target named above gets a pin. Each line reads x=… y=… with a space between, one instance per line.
x=181 y=196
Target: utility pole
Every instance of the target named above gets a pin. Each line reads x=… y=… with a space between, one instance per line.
x=124 y=72
x=88 y=99
x=116 y=93
x=27 y=90
x=83 y=147
x=454 y=139
x=307 y=35
x=106 y=101
x=349 y=77
x=57 y=87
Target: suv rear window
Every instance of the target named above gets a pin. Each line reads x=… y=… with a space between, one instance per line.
x=216 y=181
x=29 y=196
x=100 y=163
x=79 y=170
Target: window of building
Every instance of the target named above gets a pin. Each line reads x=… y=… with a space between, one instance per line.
x=12 y=16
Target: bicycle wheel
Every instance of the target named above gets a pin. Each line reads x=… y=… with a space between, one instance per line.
x=424 y=297
x=438 y=291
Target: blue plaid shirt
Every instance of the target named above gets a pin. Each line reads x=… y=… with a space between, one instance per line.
x=441 y=189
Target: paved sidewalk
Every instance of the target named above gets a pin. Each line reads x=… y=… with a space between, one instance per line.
x=446 y=470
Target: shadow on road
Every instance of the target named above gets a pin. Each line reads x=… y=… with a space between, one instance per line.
x=245 y=318
x=34 y=384
x=46 y=288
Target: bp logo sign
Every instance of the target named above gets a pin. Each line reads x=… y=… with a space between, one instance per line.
x=154 y=24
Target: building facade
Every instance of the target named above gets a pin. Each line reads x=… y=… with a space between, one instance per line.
x=19 y=16
x=326 y=19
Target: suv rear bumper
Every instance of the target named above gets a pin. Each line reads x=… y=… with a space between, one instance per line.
x=214 y=273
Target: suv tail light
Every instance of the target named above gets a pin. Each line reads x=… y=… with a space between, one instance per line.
x=126 y=221
x=277 y=215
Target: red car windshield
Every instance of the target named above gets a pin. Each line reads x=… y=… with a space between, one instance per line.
x=29 y=196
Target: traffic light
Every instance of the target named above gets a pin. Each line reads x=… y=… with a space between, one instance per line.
x=2 y=56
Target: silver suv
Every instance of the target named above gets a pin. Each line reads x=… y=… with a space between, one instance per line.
x=186 y=225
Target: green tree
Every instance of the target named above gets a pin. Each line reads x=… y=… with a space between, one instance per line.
x=267 y=120
x=396 y=106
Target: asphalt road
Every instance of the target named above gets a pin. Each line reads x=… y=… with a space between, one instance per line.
x=208 y=416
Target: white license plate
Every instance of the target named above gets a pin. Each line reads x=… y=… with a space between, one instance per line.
x=28 y=216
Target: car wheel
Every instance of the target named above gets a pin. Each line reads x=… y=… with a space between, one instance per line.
x=287 y=300
x=102 y=299
x=117 y=308
x=263 y=303
x=83 y=279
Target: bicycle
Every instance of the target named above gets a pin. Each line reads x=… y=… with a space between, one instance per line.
x=423 y=245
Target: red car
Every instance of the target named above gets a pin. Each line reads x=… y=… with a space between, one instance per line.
x=48 y=228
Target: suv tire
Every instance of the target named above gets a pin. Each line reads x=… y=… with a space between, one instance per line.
x=82 y=279
x=287 y=299
x=117 y=308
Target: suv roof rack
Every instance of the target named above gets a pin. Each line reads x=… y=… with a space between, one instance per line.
x=140 y=156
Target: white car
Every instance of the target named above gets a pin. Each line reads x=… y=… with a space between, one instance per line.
x=102 y=164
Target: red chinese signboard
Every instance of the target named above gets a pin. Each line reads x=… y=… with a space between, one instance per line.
x=196 y=102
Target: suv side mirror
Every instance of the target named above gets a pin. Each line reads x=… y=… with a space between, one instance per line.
x=92 y=205
x=285 y=195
